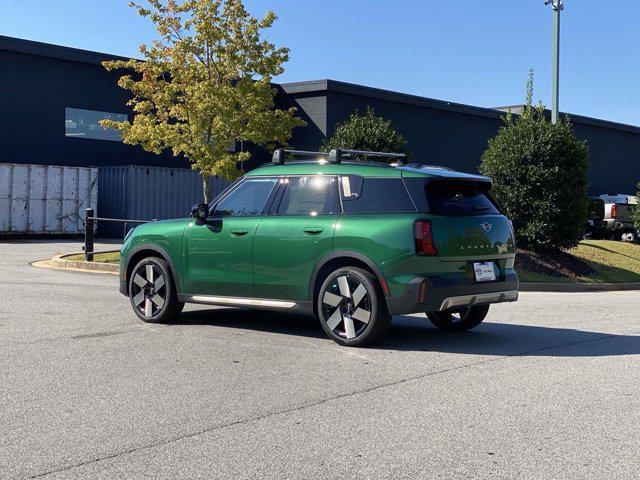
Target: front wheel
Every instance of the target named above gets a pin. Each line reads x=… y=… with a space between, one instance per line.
x=460 y=319
x=152 y=291
x=352 y=308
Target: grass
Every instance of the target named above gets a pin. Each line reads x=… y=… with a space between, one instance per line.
x=108 y=257
x=610 y=262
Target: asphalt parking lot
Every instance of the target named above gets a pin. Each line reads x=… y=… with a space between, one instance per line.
x=547 y=388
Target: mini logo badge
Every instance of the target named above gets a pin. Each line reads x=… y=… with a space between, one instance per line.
x=487 y=226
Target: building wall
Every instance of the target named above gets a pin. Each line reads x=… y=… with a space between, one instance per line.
x=38 y=81
x=434 y=136
x=35 y=91
x=454 y=135
x=615 y=158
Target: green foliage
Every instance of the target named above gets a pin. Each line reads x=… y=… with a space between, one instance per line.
x=636 y=211
x=204 y=84
x=540 y=177
x=366 y=132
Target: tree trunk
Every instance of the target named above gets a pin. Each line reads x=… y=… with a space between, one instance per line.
x=206 y=188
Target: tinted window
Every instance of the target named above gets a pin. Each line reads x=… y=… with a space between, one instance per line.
x=374 y=195
x=79 y=123
x=224 y=191
x=248 y=198
x=416 y=187
x=454 y=197
x=309 y=195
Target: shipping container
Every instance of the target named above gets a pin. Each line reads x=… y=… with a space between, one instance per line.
x=45 y=198
x=136 y=192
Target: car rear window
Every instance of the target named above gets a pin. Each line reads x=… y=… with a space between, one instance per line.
x=374 y=195
x=452 y=197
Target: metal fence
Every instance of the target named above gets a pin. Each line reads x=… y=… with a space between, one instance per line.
x=90 y=223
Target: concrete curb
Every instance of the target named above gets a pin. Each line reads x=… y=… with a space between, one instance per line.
x=577 y=287
x=59 y=261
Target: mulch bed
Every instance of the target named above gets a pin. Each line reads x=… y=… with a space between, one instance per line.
x=554 y=264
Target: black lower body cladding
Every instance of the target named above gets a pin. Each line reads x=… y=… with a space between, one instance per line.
x=433 y=294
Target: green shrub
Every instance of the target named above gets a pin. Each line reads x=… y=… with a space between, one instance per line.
x=366 y=132
x=636 y=211
x=539 y=171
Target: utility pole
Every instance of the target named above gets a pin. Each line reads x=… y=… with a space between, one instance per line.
x=557 y=6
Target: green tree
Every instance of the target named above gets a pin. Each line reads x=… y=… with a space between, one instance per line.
x=636 y=211
x=204 y=84
x=539 y=171
x=366 y=132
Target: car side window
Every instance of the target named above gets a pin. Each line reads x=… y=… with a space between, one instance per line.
x=374 y=195
x=247 y=199
x=309 y=195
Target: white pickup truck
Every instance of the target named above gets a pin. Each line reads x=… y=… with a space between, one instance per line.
x=618 y=220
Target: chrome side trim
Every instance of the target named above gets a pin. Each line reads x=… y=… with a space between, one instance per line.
x=480 y=298
x=238 y=301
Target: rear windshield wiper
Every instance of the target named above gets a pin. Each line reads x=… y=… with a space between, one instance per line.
x=480 y=209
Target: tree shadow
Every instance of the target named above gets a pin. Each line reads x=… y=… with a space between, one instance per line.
x=416 y=334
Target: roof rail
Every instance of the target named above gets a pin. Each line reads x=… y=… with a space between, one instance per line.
x=281 y=153
x=336 y=155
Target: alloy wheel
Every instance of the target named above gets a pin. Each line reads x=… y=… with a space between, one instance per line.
x=148 y=290
x=346 y=306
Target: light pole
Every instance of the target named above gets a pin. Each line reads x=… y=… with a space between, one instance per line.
x=557 y=6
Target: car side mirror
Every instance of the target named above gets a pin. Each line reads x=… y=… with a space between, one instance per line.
x=199 y=211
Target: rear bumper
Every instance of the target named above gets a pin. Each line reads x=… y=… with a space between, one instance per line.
x=433 y=294
x=614 y=225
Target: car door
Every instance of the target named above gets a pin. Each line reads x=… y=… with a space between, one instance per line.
x=218 y=254
x=295 y=235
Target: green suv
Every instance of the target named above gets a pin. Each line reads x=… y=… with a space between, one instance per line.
x=352 y=242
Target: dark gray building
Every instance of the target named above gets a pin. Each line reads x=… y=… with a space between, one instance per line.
x=52 y=97
x=455 y=135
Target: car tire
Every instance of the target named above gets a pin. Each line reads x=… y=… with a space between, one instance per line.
x=351 y=307
x=152 y=291
x=459 y=320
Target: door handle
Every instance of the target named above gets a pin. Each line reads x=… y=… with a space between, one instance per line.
x=313 y=230
x=239 y=231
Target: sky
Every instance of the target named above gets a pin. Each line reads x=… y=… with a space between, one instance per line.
x=476 y=52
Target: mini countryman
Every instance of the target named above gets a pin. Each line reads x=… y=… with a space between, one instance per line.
x=352 y=242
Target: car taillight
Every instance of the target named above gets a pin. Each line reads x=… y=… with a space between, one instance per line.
x=614 y=211
x=423 y=238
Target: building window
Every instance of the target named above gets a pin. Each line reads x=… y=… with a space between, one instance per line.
x=79 y=123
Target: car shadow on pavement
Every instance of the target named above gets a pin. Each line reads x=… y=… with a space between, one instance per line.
x=491 y=338
x=415 y=333
x=258 y=320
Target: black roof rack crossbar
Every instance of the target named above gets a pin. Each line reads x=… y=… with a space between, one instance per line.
x=336 y=155
x=281 y=153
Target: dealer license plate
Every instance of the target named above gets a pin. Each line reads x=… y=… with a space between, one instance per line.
x=484 y=271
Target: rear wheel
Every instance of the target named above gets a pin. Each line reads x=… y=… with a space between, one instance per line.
x=152 y=291
x=351 y=307
x=460 y=319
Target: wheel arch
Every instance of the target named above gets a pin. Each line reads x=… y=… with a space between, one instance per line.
x=337 y=259
x=150 y=250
